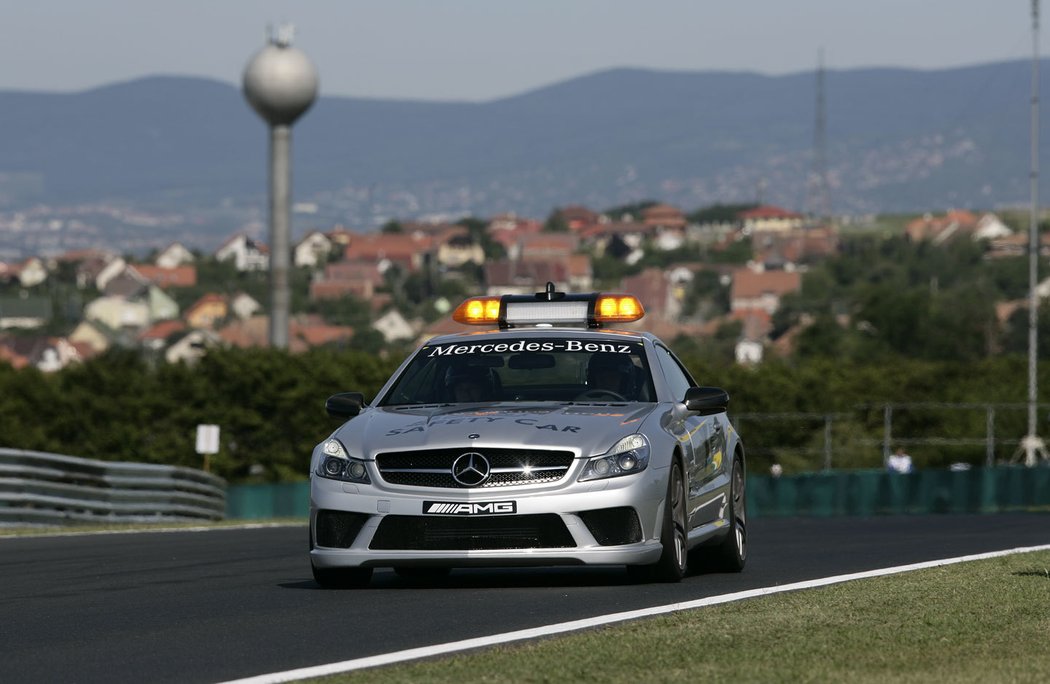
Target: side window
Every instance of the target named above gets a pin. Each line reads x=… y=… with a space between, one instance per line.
x=677 y=378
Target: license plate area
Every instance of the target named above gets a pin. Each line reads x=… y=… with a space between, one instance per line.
x=470 y=508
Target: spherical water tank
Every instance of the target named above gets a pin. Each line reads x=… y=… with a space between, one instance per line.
x=280 y=83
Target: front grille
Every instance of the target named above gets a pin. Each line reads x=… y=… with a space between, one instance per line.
x=417 y=533
x=613 y=526
x=433 y=467
x=338 y=529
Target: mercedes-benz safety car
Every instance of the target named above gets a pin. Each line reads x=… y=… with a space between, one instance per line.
x=549 y=439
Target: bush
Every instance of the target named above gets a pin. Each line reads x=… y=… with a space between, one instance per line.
x=268 y=404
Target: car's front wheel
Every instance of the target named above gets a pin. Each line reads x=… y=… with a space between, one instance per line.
x=673 y=562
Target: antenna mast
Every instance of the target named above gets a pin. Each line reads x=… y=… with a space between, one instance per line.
x=820 y=194
x=1033 y=446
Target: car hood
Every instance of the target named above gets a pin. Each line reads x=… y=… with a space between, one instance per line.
x=585 y=429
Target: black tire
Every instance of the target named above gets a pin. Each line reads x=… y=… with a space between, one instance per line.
x=674 y=561
x=731 y=554
x=342 y=578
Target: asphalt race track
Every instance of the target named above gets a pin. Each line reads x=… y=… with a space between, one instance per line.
x=223 y=604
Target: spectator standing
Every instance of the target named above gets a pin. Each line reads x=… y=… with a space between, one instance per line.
x=899 y=462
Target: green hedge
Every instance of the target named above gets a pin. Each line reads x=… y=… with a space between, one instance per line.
x=270 y=407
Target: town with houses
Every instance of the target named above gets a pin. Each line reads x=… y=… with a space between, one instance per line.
x=119 y=301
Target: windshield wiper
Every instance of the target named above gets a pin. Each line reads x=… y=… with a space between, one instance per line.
x=405 y=407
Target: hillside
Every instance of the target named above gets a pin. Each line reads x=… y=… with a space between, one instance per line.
x=898 y=140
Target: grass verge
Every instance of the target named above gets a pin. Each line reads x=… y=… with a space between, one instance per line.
x=984 y=621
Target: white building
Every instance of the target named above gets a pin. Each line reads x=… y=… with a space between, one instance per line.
x=393 y=326
x=247 y=254
x=174 y=255
x=312 y=250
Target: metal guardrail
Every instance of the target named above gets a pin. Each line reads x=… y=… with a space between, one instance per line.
x=43 y=488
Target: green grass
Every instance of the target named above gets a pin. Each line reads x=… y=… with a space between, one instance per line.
x=984 y=621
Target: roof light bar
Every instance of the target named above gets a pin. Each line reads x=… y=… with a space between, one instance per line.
x=550 y=308
x=618 y=308
x=478 y=311
x=532 y=313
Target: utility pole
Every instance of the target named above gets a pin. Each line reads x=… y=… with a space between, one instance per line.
x=819 y=191
x=1032 y=444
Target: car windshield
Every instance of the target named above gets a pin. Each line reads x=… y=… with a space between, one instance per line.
x=525 y=370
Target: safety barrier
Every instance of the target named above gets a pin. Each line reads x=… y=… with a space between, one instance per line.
x=261 y=501
x=832 y=493
x=43 y=488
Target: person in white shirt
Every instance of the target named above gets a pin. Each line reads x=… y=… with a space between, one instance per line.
x=899 y=462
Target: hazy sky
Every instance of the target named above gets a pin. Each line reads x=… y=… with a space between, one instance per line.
x=483 y=49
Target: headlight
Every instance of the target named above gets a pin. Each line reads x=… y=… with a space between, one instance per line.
x=336 y=464
x=630 y=455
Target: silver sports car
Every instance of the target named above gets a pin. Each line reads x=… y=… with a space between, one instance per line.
x=551 y=439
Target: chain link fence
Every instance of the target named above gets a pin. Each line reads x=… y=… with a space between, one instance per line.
x=934 y=434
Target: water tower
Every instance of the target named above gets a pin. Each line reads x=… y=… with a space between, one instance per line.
x=280 y=83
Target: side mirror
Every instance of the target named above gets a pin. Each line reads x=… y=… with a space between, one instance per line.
x=344 y=404
x=706 y=400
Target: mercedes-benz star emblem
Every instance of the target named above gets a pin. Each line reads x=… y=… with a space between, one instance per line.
x=470 y=469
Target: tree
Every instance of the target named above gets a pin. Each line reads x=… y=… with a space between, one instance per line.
x=738 y=252
x=706 y=296
x=719 y=213
x=370 y=341
x=895 y=298
x=479 y=234
x=823 y=338
x=555 y=223
x=616 y=248
x=347 y=310
x=629 y=212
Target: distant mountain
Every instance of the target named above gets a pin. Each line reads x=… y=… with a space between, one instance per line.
x=897 y=140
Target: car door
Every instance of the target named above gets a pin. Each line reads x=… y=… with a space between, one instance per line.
x=696 y=435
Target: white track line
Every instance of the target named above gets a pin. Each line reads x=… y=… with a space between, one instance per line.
x=576 y=625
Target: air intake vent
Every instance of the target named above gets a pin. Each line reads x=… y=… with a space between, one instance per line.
x=613 y=526
x=402 y=532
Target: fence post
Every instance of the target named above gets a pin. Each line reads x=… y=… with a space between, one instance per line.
x=827 y=442
x=887 y=432
x=990 y=443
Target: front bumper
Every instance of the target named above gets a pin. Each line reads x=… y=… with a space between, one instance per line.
x=567 y=524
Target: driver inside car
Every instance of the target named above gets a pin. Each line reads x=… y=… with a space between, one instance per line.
x=610 y=372
x=470 y=384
